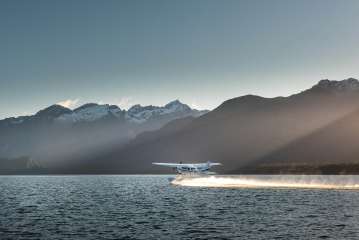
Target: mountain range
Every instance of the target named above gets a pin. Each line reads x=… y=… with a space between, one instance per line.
x=315 y=131
x=58 y=137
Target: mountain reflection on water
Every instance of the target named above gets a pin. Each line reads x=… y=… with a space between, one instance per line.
x=149 y=207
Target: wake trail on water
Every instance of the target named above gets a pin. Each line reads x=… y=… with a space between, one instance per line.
x=270 y=181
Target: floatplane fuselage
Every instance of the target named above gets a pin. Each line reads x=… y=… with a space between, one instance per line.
x=190 y=168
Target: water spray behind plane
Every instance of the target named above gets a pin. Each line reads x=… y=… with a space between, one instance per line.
x=340 y=182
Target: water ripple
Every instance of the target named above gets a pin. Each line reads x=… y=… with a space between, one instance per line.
x=148 y=207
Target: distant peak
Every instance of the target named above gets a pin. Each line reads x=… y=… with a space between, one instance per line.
x=114 y=107
x=245 y=99
x=87 y=105
x=53 y=107
x=342 y=85
x=54 y=110
x=135 y=108
x=251 y=96
x=174 y=103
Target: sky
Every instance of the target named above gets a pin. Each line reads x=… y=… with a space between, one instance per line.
x=201 y=52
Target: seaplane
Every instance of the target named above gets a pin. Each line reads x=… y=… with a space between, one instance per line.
x=190 y=168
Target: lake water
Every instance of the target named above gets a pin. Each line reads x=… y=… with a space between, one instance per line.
x=148 y=207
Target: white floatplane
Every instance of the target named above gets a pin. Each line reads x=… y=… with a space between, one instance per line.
x=190 y=168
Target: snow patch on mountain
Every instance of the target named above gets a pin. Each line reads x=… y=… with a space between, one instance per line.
x=140 y=114
x=90 y=112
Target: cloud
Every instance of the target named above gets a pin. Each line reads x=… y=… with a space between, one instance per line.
x=25 y=113
x=125 y=102
x=194 y=104
x=69 y=103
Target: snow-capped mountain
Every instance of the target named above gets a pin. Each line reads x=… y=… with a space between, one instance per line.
x=139 y=114
x=92 y=112
x=100 y=138
x=59 y=132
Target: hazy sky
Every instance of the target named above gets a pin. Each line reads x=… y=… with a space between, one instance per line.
x=152 y=52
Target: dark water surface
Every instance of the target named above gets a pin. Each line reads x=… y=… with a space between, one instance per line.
x=148 y=207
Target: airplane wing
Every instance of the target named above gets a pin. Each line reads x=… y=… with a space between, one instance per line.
x=172 y=165
x=215 y=164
